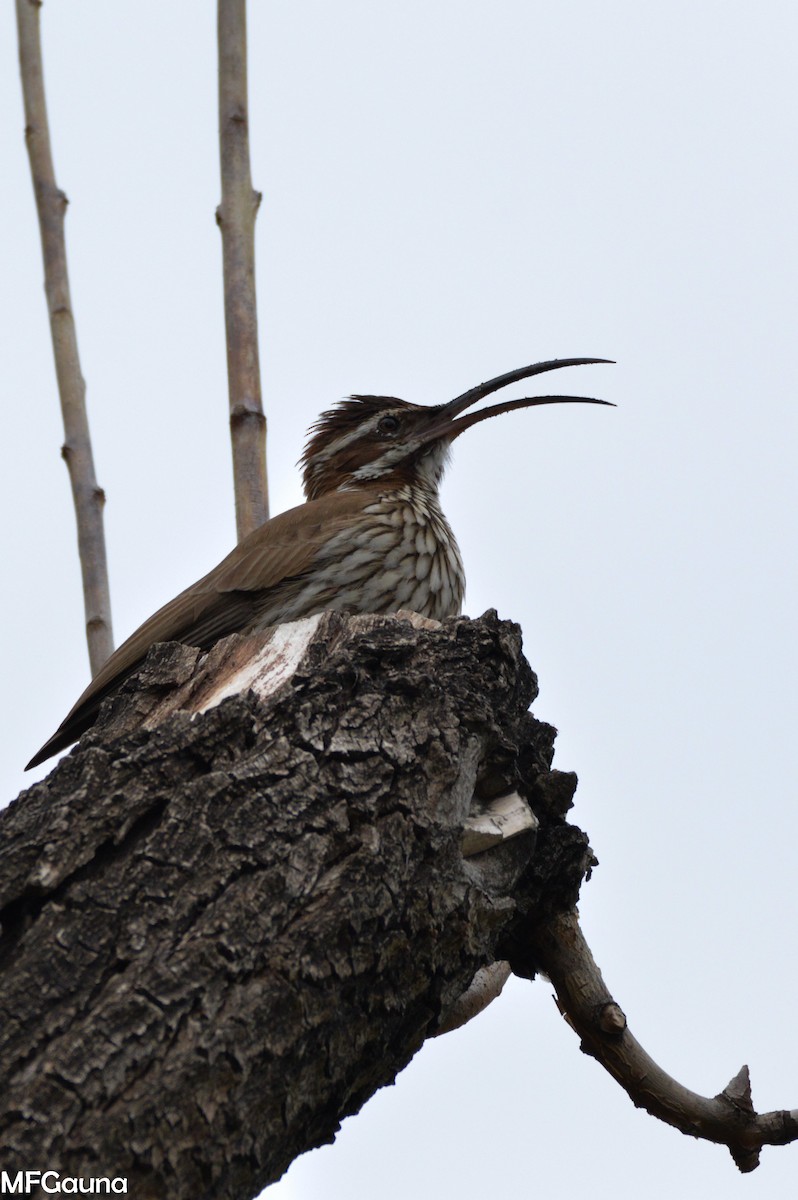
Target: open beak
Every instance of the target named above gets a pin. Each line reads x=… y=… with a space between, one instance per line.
x=448 y=423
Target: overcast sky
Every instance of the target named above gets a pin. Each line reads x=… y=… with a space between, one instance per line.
x=451 y=191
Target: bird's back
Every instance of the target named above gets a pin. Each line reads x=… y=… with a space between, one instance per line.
x=362 y=550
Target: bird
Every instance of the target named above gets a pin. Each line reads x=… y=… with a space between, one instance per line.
x=371 y=536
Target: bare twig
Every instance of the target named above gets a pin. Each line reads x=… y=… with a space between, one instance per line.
x=51 y=206
x=236 y=218
x=728 y=1118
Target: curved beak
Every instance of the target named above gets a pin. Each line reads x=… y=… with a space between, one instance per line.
x=446 y=425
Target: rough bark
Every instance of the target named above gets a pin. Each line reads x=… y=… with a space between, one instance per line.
x=221 y=935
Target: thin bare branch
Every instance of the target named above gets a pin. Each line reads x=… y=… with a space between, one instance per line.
x=51 y=206
x=729 y=1118
x=236 y=218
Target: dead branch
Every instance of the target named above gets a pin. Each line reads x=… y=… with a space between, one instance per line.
x=236 y=218
x=51 y=205
x=560 y=950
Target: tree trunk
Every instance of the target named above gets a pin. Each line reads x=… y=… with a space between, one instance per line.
x=222 y=934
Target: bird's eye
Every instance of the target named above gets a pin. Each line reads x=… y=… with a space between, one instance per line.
x=388 y=424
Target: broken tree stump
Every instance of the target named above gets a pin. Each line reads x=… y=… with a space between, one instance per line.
x=240 y=906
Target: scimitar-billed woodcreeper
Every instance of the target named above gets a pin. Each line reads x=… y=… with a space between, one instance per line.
x=371 y=537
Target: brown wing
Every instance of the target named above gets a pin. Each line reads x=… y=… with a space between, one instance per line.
x=222 y=602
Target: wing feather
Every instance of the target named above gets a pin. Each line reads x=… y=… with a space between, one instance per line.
x=224 y=601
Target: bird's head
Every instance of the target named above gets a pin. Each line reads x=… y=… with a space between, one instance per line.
x=380 y=439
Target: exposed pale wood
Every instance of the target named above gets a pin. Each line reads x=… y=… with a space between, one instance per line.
x=501 y=819
x=51 y=204
x=485 y=987
x=236 y=218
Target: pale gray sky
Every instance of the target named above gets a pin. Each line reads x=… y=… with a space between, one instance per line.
x=451 y=191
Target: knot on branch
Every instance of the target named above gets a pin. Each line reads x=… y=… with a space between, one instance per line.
x=53 y=201
x=611 y=1018
x=247 y=411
